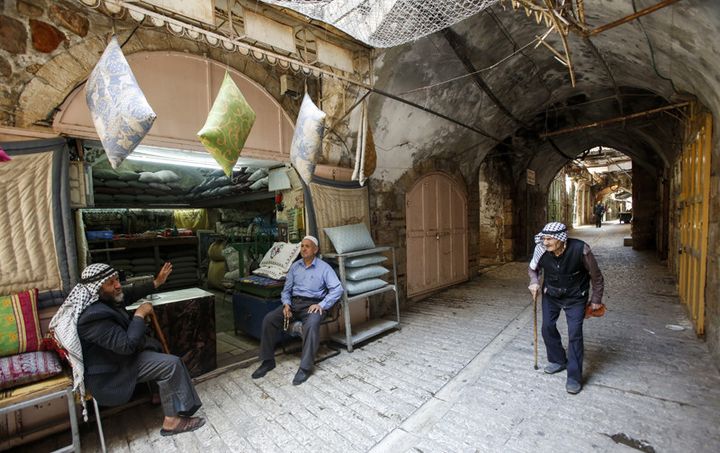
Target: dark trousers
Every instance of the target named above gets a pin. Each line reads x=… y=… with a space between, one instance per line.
x=177 y=393
x=598 y=221
x=575 y=315
x=273 y=324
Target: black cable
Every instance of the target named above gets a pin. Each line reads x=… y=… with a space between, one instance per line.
x=652 y=51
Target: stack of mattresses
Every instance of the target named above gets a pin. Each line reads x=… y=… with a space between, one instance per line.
x=185 y=266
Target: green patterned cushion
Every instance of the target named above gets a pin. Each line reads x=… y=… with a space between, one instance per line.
x=227 y=126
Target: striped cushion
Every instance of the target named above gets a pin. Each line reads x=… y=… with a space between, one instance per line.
x=19 y=323
x=29 y=367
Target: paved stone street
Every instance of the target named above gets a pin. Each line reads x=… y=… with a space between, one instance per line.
x=459 y=377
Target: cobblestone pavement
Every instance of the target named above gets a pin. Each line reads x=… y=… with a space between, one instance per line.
x=459 y=377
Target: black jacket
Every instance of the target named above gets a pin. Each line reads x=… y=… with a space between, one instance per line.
x=111 y=339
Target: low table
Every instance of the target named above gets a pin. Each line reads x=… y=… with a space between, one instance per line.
x=187 y=319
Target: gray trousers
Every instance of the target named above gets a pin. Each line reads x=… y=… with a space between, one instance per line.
x=273 y=323
x=177 y=393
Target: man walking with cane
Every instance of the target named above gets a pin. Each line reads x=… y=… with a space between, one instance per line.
x=569 y=270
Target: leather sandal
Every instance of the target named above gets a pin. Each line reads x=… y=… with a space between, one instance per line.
x=185 y=425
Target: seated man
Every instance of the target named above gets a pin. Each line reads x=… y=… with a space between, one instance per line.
x=311 y=288
x=109 y=351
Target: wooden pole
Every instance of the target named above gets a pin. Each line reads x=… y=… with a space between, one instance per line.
x=535 y=328
x=159 y=332
x=631 y=17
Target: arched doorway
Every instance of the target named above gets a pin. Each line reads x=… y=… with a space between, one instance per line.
x=436 y=213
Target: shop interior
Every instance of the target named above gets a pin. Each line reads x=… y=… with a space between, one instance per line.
x=178 y=206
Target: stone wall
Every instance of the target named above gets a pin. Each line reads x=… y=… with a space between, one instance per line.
x=645 y=214
x=495 y=211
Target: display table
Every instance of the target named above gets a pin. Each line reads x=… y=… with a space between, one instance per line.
x=187 y=319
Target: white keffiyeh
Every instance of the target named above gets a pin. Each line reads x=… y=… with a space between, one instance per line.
x=555 y=230
x=63 y=325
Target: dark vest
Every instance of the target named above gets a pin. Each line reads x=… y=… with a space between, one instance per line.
x=565 y=278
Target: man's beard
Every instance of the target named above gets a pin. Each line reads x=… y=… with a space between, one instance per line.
x=110 y=299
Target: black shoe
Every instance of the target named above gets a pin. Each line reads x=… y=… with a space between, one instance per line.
x=552 y=368
x=262 y=370
x=301 y=376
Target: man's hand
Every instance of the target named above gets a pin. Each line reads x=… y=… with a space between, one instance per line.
x=595 y=306
x=144 y=310
x=315 y=308
x=163 y=274
x=287 y=312
x=534 y=289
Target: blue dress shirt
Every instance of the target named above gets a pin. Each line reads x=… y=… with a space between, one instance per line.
x=317 y=281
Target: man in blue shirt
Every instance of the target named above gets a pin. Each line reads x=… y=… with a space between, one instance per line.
x=311 y=288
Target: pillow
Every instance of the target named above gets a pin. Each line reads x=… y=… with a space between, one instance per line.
x=28 y=367
x=363 y=286
x=280 y=256
x=104 y=174
x=361 y=273
x=232 y=258
x=360 y=261
x=148 y=176
x=120 y=112
x=307 y=139
x=167 y=176
x=259 y=184
x=127 y=176
x=19 y=323
x=257 y=174
x=227 y=126
x=270 y=272
x=350 y=238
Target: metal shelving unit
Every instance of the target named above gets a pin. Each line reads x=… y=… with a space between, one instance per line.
x=357 y=334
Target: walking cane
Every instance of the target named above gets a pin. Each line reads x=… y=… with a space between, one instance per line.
x=535 y=328
x=163 y=341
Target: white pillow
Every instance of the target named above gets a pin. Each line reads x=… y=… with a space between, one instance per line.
x=271 y=272
x=307 y=139
x=280 y=256
x=232 y=258
x=364 y=260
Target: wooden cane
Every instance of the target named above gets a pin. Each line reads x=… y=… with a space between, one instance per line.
x=535 y=328
x=161 y=336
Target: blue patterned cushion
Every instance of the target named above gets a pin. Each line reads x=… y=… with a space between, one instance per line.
x=307 y=140
x=363 y=286
x=350 y=238
x=360 y=261
x=361 y=273
x=120 y=112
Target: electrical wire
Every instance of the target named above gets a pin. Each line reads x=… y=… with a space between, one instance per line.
x=652 y=51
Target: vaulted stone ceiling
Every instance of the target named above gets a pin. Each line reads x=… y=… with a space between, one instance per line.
x=617 y=74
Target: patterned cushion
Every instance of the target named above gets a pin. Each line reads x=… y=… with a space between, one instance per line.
x=360 y=261
x=307 y=139
x=29 y=367
x=277 y=261
x=19 y=323
x=120 y=112
x=350 y=238
x=361 y=273
x=363 y=286
x=227 y=126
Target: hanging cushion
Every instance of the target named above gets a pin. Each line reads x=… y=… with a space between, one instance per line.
x=350 y=238
x=360 y=261
x=259 y=184
x=120 y=112
x=19 y=323
x=227 y=126
x=20 y=369
x=307 y=139
x=362 y=273
x=363 y=286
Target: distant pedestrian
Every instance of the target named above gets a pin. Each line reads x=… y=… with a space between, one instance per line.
x=598 y=212
x=569 y=270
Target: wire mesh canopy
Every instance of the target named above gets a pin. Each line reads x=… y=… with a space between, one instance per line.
x=387 y=23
